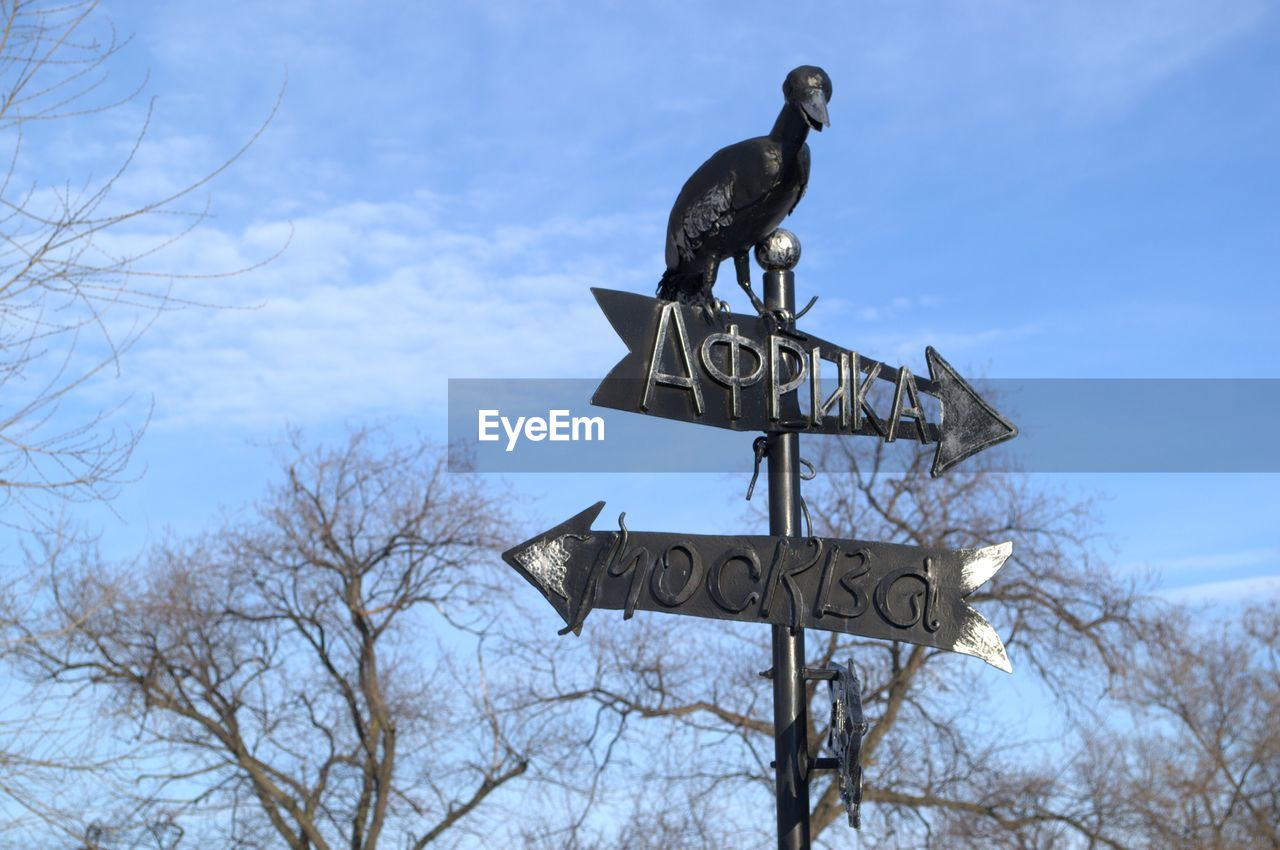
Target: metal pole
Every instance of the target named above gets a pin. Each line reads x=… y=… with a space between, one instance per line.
x=790 y=714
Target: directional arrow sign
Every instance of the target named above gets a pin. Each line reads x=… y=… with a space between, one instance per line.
x=878 y=590
x=734 y=373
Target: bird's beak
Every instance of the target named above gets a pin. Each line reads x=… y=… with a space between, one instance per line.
x=814 y=104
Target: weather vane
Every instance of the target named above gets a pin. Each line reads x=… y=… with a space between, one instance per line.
x=689 y=358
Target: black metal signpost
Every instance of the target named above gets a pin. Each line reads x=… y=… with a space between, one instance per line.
x=790 y=712
x=865 y=588
x=689 y=359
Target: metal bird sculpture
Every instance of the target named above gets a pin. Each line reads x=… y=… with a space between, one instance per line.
x=741 y=194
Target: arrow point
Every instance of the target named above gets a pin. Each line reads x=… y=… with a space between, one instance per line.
x=544 y=560
x=968 y=423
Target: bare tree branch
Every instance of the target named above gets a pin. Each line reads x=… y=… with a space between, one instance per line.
x=72 y=301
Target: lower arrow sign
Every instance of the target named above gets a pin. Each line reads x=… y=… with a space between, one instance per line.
x=877 y=590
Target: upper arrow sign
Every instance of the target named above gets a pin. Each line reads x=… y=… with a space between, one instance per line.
x=735 y=373
x=879 y=590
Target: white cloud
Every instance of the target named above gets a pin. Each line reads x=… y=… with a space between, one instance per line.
x=1222 y=560
x=837 y=308
x=371 y=309
x=1240 y=590
x=375 y=304
x=1007 y=59
x=907 y=345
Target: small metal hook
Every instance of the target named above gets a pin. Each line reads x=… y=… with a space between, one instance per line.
x=760 y=447
x=807 y=307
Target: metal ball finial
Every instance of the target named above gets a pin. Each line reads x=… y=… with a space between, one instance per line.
x=779 y=251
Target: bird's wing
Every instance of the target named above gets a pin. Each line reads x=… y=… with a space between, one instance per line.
x=700 y=211
x=802 y=162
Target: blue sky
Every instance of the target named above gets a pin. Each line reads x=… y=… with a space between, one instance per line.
x=1084 y=189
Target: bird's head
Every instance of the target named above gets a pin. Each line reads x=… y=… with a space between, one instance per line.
x=808 y=88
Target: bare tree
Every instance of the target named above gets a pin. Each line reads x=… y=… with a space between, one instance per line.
x=315 y=674
x=1197 y=762
x=82 y=278
x=72 y=299
x=942 y=767
x=1066 y=620
x=344 y=665
x=1185 y=752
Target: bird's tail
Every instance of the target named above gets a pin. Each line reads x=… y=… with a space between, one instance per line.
x=680 y=286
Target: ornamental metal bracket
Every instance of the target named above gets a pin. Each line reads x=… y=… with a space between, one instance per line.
x=844 y=737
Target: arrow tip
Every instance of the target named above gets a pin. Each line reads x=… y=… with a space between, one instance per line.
x=544 y=560
x=968 y=424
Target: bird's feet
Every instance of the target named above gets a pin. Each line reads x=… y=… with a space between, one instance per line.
x=714 y=310
x=776 y=321
x=745 y=283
